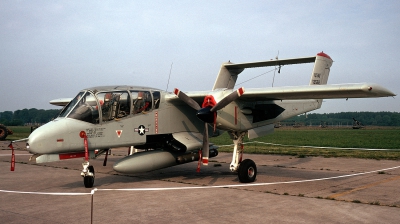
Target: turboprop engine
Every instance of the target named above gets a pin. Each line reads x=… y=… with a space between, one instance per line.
x=157 y=159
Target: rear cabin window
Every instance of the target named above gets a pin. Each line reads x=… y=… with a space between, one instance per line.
x=156 y=99
x=141 y=101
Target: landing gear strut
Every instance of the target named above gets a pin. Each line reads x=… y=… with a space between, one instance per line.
x=88 y=170
x=246 y=169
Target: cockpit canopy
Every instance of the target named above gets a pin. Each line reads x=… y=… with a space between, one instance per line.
x=102 y=106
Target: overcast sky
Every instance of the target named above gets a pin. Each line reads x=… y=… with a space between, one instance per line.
x=53 y=49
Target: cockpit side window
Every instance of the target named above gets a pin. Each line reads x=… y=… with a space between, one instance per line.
x=86 y=109
x=114 y=105
x=142 y=101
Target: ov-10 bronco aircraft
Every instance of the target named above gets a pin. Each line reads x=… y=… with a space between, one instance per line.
x=174 y=128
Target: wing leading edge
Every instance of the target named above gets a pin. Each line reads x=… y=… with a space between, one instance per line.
x=336 y=91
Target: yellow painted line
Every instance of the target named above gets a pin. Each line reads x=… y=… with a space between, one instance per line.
x=364 y=187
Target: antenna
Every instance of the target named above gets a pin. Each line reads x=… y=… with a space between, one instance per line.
x=273 y=79
x=169 y=76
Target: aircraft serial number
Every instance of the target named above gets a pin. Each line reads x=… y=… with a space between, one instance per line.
x=316 y=82
x=95 y=132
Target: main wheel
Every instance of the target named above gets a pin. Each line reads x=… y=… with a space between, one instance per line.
x=247 y=171
x=88 y=181
x=3 y=132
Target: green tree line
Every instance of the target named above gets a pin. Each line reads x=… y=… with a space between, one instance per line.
x=346 y=118
x=27 y=116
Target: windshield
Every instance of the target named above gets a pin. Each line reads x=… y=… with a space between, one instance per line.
x=65 y=111
x=85 y=109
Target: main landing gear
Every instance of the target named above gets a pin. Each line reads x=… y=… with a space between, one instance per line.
x=246 y=169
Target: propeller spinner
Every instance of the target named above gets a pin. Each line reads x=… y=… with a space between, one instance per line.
x=208 y=112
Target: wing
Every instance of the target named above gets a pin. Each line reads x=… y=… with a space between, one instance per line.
x=191 y=140
x=60 y=101
x=358 y=90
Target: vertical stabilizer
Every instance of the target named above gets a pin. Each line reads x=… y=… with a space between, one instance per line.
x=321 y=71
x=227 y=77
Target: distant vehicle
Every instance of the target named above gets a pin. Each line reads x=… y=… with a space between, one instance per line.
x=4 y=132
x=297 y=125
x=357 y=124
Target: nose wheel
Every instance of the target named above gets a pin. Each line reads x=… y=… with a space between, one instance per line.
x=88 y=176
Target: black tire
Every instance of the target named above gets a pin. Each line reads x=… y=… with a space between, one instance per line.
x=3 y=132
x=247 y=171
x=88 y=181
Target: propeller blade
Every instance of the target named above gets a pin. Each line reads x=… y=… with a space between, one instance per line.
x=206 y=146
x=185 y=98
x=228 y=99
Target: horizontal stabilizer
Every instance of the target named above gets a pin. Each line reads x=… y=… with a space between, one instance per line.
x=229 y=71
x=60 y=101
x=271 y=63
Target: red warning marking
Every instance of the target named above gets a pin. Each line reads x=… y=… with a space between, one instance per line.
x=198 y=164
x=71 y=155
x=322 y=54
x=119 y=132
x=240 y=91
x=156 y=121
x=60 y=140
x=86 y=144
x=236 y=113
x=209 y=101
x=12 y=157
x=241 y=153
x=205 y=161
x=82 y=134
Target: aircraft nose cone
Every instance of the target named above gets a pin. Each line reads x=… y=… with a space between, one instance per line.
x=38 y=140
x=205 y=115
x=45 y=138
x=32 y=145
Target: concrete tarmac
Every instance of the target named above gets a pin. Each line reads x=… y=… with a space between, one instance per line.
x=293 y=192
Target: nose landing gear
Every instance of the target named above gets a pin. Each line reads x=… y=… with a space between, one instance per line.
x=88 y=174
x=88 y=170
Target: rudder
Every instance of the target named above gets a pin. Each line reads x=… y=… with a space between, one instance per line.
x=321 y=69
x=320 y=73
